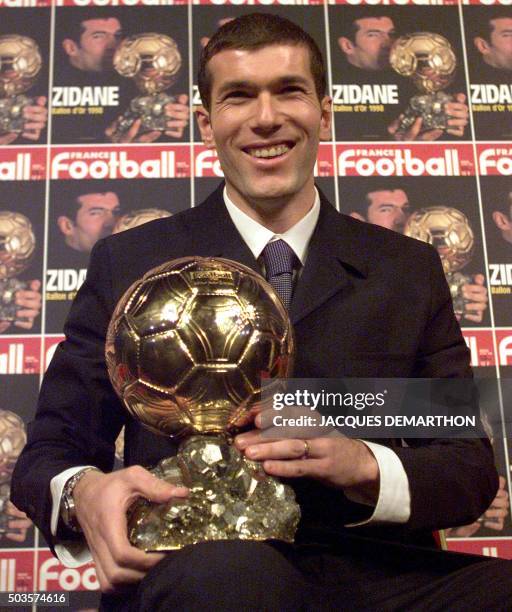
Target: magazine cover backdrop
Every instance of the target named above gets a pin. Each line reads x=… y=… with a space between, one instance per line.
x=72 y=172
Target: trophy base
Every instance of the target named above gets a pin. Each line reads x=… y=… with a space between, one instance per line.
x=231 y=498
x=11 y=114
x=430 y=107
x=456 y=280
x=151 y=111
x=8 y=306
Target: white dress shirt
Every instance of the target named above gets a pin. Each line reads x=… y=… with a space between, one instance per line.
x=394 y=501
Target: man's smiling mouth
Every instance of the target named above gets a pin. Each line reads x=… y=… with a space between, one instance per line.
x=268 y=152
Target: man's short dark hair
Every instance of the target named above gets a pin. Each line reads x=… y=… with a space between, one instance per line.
x=252 y=32
x=484 y=27
x=74 y=28
x=362 y=203
x=349 y=27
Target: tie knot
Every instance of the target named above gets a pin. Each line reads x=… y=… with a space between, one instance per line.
x=279 y=258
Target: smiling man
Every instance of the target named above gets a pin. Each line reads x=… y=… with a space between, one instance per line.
x=366 y=508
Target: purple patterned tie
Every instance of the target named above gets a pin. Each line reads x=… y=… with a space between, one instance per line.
x=279 y=260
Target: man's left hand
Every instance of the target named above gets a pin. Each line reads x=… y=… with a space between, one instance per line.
x=18 y=524
x=477 y=297
x=335 y=460
x=29 y=304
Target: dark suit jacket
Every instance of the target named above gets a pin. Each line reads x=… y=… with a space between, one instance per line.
x=369 y=303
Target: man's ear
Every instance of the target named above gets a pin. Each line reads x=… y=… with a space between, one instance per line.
x=65 y=225
x=481 y=44
x=326 y=119
x=205 y=126
x=356 y=215
x=70 y=47
x=346 y=45
x=501 y=221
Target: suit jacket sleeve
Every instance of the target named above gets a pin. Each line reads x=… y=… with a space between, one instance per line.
x=79 y=415
x=452 y=481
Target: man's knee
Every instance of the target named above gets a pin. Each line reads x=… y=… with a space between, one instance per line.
x=221 y=574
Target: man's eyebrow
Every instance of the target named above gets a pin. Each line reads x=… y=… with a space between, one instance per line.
x=381 y=31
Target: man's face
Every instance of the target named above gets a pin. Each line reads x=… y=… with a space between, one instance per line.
x=372 y=42
x=265 y=122
x=98 y=42
x=389 y=209
x=497 y=51
x=504 y=222
x=95 y=219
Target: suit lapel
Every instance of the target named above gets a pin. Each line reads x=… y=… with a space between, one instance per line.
x=335 y=253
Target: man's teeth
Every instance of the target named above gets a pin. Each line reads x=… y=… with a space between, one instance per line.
x=270 y=151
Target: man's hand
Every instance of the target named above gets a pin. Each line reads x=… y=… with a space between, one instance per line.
x=177 y=114
x=493 y=518
x=101 y=502
x=18 y=525
x=457 y=111
x=476 y=295
x=29 y=303
x=35 y=117
x=333 y=459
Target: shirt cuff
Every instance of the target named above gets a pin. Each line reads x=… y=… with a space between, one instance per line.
x=71 y=553
x=394 y=502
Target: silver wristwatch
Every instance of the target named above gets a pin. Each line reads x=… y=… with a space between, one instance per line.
x=67 y=503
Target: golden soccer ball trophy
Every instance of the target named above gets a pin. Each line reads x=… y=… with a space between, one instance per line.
x=20 y=64
x=134 y=218
x=17 y=245
x=12 y=440
x=429 y=61
x=187 y=349
x=153 y=61
x=449 y=231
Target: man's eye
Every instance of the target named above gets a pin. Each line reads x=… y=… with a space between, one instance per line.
x=236 y=94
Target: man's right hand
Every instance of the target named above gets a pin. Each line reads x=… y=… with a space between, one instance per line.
x=101 y=502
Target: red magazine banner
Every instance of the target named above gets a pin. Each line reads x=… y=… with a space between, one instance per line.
x=20 y=355
x=394 y=2
x=206 y=163
x=23 y=3
x=481 y=345
x=405 y=160
x=50 y=345
x=259 y=2
x=501 y=548
x=17 y=570
x=53 y=576
x=504 y=339
x=494 y=160
x=22 y=164
x=94 y=3
x=486 y=2
x=115 y=162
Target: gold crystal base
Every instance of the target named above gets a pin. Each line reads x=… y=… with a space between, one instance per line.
x=230 y=498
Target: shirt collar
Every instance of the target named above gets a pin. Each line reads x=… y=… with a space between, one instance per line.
x=256 y=236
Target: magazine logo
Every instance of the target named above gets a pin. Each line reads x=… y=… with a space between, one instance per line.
x=394 y=2
x=504 y=346
x=23 y=3
x=365 y=94
x=22 y=166
x=401 y=161
x=480 y=344
x=135 y=162
x=19 y=355
x=495 y=161
x=16 y=571
x=258 y=2
x=118 y=2
x=53 y=576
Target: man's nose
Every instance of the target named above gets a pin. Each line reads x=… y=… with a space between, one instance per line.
x=266 y=115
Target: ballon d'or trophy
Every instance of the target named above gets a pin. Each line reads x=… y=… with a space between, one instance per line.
x=449 y=231
x=428 y=59
x=12 y=440
x=20 y=63
x=187 y=348
x=152 y=60
x=17 y=245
